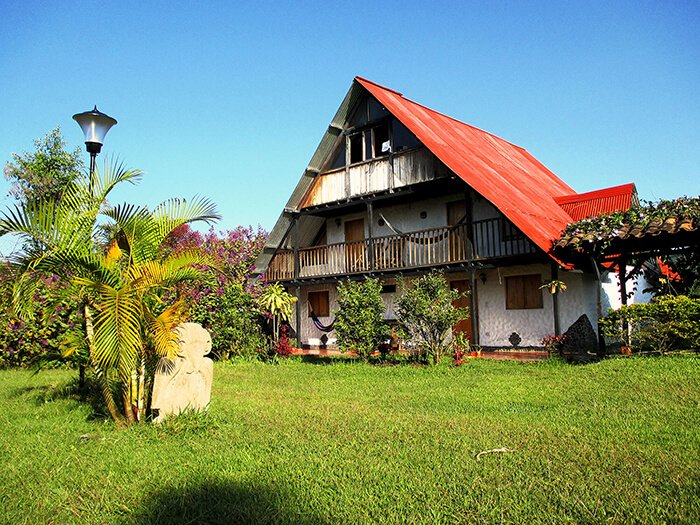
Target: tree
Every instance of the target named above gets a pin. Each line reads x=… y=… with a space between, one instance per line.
x=426 y=313
x=359 y=322
x=45 y=172
x=278 y=303
x=121 y=281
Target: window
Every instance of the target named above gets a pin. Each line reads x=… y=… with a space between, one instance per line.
x=382 y=144
x=356 y=153
x=371 y=143
x=318 y=303
x=523 y=292
x=339 y=159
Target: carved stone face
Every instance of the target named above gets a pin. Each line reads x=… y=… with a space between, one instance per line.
x=195 y=343
x=187 y=384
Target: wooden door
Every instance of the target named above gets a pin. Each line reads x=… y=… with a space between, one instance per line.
x=456 y=212
x=354 y=248
x=464 y=326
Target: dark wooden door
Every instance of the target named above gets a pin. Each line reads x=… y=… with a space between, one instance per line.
x=456 y=212
x=354 y=248
x=464 y=326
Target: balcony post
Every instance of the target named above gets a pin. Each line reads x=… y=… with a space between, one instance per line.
x=472 y=304
x=370 y=240
x=555 y=300
x=471 y=253
x=295 y=241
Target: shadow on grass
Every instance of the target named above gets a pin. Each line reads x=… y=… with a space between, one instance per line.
x=220 y=502
x=89 y=395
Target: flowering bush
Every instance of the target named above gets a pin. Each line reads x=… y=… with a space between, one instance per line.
x=23 y=343
x=283 y=347
x=553 y=343
x=224 y=302
x=461 y=347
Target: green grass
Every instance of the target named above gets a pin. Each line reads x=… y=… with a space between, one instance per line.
x=613 y=442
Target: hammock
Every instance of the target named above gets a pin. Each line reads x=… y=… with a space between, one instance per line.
x=430 y=240
x=317 y=322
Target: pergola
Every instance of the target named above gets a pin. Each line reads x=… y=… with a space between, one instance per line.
x=634 y=243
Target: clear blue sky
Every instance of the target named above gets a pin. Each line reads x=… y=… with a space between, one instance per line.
x=230 y=99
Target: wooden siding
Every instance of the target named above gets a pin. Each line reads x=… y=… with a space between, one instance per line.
x=425 y=248
x=375 y=176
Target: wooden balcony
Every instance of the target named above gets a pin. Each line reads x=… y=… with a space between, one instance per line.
x=493 y=238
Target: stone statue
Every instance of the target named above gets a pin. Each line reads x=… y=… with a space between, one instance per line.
x=186 y=382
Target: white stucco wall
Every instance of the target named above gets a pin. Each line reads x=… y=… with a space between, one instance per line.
x=404 y=217
x=309 y=333
x=496 y=324
x=610 y=297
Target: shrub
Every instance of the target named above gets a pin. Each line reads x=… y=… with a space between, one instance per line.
x=24 y=343
x=461 y=347
x=553 y=343
x=667 y=322
x=359 y=322
x=283 y=347
x=233 y=320
x=426 y=313
x=222 y=302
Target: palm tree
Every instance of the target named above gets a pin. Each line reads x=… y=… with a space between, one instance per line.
x=110 y=257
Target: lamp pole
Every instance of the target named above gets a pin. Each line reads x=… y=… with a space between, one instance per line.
x=95 y=126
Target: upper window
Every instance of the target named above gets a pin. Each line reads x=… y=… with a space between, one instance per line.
x=523 y=292
x=370 y=143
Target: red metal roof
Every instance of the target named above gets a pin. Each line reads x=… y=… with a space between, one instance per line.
x=582 y=205
x=516 y=183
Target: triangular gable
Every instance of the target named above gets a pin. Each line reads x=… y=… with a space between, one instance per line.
x=508 y=176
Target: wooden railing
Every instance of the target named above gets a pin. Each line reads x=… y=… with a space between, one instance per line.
x=432 y=247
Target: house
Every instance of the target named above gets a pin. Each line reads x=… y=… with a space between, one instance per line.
x=395 y=189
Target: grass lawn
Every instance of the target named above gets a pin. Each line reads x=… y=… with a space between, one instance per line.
x=613 y=442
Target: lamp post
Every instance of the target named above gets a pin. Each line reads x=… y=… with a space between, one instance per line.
x=95 y=126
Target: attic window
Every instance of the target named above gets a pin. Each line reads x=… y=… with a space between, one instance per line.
x=356 y=150
x=370 y=143
x=382 y=145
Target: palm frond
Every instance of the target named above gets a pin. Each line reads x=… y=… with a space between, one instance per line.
x=118 y=340
x=113 y=173
x=23 y=293
x=162 y=329
x=113 y=255
x=174 y=212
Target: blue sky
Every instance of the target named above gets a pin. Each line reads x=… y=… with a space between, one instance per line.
x=230 y=99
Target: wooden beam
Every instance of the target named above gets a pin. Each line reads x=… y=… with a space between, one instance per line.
x=295 y=242
x=555 y=300
x=370 y=236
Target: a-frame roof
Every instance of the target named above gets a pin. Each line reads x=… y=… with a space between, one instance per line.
x=516 y=183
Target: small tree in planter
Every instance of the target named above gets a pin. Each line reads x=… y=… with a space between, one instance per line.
x=359 y=323
x=279 y=303
x=426 y=313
